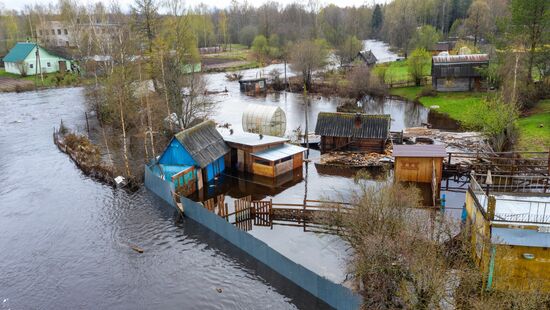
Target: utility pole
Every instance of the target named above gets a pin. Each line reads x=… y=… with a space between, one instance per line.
x=306 y=137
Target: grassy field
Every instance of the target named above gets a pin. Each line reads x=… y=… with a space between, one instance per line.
x=398 y=71
x=50 y=79
x=532 y=136
x=455 y=104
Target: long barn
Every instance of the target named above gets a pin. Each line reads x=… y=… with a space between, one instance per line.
x=355 y=132
x=459 y=72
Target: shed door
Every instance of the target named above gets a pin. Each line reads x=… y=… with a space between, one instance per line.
x=62 y=66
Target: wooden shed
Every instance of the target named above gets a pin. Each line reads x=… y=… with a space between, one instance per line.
x=459 y=72
x=201 y=147
x=367 y=57
x=349 y=131
x=420 y=164
x=263 y=155
x=253 y=85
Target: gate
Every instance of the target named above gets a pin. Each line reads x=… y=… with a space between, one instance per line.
x=263 y=211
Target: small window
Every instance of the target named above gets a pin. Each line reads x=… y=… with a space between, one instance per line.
x=53 y=31
x=65 y=31
x=58 y=31
x=48 y=64
x=31 y=66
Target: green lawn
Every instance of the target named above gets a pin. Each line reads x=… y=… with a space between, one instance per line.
x=455 y=104
x=50 y=79
x=398 y=71
x=532 y=136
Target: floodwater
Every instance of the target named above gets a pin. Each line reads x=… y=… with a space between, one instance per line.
x=65 y=240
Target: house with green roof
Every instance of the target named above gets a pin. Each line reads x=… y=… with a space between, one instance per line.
x=22 y=60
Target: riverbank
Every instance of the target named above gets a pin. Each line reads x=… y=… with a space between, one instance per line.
x=15 y=83
x=239 y=57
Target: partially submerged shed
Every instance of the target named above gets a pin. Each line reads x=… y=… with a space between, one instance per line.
x=442 y=46
x=201 y=148
x=263 y=155
x=357 y=132
x=264 y=119
x=459 y=72
x=253 y=85
x=421 y=164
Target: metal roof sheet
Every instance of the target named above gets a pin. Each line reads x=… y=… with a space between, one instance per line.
x=362 y=126
x=460 y=59
x=19 y=52
x=203 y=142
x=252 y=139
x=279 y=152
x=419 y=150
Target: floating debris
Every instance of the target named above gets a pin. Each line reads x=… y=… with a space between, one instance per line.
x=219 y=290
x=137 y=249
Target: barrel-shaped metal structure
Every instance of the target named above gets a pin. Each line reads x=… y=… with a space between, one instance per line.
x=264 y=119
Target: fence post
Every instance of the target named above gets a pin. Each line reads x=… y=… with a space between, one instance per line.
x=491 y=208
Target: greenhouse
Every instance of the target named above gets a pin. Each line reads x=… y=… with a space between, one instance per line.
x=265 y=120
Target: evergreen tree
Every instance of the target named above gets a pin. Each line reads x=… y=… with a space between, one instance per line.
x=377 y=20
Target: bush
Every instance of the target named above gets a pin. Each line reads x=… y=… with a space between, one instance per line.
x=428 y=91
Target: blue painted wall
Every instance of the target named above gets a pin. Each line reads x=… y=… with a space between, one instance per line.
x=176 y=155
x=215 y=168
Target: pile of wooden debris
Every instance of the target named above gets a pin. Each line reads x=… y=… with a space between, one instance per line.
x=357 y=160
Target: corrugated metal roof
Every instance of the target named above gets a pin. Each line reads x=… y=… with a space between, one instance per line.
x=19 y=52
x=419 y=150
x=252 y=139
x=362 y=126
x=279 y=152
x=203 y=142
x=454 y=59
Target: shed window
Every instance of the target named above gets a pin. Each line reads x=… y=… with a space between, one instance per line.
x=262 y=161
x=65 y=31
x=53 y=31
x=31 y=66
x=48 y=64
x=58 y=31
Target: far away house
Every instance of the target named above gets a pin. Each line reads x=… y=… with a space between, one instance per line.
x=22 y=60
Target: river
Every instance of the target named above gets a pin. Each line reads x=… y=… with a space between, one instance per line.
x=65 y=240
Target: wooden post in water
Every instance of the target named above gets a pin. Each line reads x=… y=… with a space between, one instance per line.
x=87 y=123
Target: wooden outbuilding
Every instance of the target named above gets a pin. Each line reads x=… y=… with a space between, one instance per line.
x=355 y=132
x=443 y=46
x=263 y=155
x=367 y=57
x=459 y=72
x=253 y=85
x=420 y=164
x=197 y=154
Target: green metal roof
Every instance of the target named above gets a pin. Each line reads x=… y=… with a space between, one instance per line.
x=19 y=52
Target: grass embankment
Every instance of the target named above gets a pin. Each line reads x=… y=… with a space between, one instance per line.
x=239 y=57
x=49 y=79
x=533 y=137
x=458 y=105
x=398 y=72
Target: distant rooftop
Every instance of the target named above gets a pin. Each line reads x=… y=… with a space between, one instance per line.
x=252 y=139
x=455 y=59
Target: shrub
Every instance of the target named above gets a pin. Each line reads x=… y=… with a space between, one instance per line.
x=428 y=91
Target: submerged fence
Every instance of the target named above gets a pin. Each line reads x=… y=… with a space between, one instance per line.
x=335 y=295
